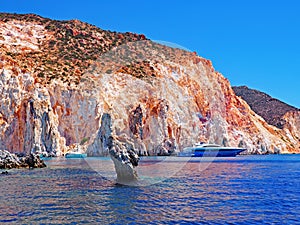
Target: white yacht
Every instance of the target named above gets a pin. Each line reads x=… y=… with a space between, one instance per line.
x=210 y=150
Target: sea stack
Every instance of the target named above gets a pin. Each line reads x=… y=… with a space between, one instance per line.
x=125 y=161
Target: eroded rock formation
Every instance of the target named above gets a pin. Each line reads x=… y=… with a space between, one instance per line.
x=125 y=160
x=69 y=85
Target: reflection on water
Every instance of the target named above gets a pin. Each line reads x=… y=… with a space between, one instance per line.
x=242 y=190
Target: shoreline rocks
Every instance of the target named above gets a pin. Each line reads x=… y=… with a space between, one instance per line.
x=9 y=160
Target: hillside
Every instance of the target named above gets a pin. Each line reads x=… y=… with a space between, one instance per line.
x=68 y=85
x=56 y=49
x=271 y=109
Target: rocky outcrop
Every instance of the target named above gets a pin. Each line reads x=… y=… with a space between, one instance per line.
x=121 y=151
x=125 y=160
x=75 y=86
x=100 y=145
x=10 y=161
x=27 y=120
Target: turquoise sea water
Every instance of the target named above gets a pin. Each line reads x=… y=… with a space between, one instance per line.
x=240 y=190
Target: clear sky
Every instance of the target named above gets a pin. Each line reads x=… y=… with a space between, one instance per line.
x=251 y=42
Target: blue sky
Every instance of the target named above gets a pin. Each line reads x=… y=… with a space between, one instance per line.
x=252 y=42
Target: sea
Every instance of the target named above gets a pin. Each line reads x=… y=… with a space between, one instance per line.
x=171 y=190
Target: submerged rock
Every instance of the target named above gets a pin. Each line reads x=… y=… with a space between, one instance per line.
x=10 y=161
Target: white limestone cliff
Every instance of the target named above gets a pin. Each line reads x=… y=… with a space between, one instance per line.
x=175 y=99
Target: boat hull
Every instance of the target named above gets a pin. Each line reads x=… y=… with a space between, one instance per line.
x=211 y=152
x=75 y=156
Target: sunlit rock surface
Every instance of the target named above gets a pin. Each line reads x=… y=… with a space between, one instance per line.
x=125 y=160
x=74 y=79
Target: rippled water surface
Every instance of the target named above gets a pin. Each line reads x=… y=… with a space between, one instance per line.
x=241 y=190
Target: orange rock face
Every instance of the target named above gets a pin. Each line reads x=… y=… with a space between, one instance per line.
x=158 y=99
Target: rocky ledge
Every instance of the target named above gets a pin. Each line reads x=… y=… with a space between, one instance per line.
x=10 y=161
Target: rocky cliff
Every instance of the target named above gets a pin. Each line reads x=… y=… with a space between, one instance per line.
x=274 y=111
x=68 y=85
